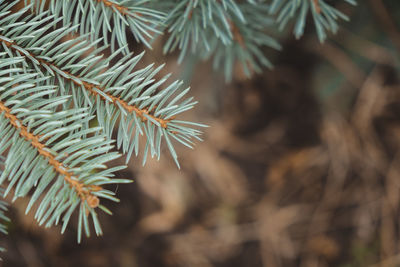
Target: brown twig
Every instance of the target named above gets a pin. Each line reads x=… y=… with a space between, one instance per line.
x=83 y=191
x=122 y=9
x=90 y=87
x=316 y=6
x=237 y=36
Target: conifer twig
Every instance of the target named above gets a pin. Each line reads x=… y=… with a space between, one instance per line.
x=81 y=189
x=90 y=88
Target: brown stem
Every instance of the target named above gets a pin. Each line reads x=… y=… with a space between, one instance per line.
x=316 y=6
x=237 y=36
x=83 y=191
x=123 y=10
x=141 y=113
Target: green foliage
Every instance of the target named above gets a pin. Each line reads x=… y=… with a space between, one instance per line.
x=3 y=218
x=66 y=66
x=234 y=32
x=114 y=93
x=226 y=30
x=49 y=151
x=52 y=88
x=324 y=15
x=99 y=18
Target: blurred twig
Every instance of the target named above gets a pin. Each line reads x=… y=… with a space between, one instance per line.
x=385 y=19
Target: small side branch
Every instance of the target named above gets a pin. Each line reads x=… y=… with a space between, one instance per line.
x=141 y=113
x=83 y=191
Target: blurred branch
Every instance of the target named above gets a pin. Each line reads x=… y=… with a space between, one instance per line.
x=340 y=60
x=385 y=19
x=372 y=51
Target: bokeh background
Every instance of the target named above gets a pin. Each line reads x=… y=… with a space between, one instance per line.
x=300 y=165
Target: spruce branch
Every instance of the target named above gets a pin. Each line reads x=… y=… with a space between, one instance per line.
x=49 y=152
x=236 y=31
x=226 y=30
x=95 y=18
x=91 y=87
x=324 y=15
x=249 y=39
x=113 y=93
x=53 y=83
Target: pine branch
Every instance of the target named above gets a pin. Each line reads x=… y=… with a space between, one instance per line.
x=114 y=93
x=84 y=192
x=91 y=87
x=191 y=23
x=249 y=39
x=50 y=152
x=228 y=31
x=324 y=15
x=52 y=86
x=100 y=17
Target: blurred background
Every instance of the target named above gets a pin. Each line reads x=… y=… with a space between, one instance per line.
x=300 y=165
